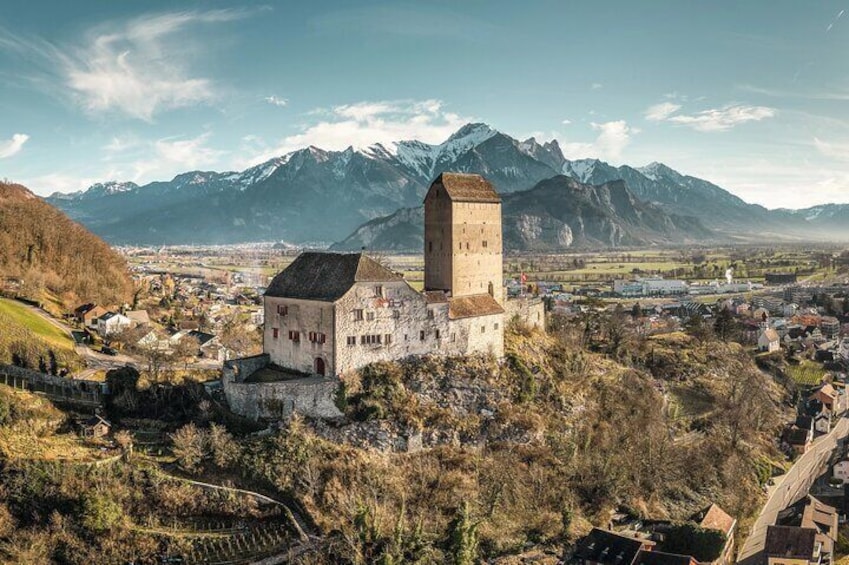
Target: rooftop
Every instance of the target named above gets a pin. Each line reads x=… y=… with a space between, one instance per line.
x=467 y=188
x=327 y=276
x=476 y=305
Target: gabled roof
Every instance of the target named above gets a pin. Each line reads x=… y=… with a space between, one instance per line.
x=140 y=316
x=327 y=276
x=602 y=546
x=770 y=334
x=95 y=420
x=715 y=518
x=470 y=306
x=465 y=188
x=202 y=337
x=789 y=541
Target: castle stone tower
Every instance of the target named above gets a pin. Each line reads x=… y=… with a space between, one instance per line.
x=462 y=238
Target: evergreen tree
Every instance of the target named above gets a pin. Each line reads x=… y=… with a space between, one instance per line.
x=725 y=324
x=463 y=537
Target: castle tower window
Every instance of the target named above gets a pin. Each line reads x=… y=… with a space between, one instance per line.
x=369 y=316
x=294 y=336
x=274 y=332
x=430 y=246
x=483 y=329
x=421 y=335
x=437 y=334
x=358 y=315
x=352 y=340
x=378 y=291
x=387 y=339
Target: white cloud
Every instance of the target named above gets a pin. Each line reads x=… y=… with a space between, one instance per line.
x=171 y=156
x=612 y=139
x=596 y=86
x=714 y=119
x=136 y=68
x=566 y=122
x=661 y=111
x=12 y=146
x=366 y=123
x=275 y=101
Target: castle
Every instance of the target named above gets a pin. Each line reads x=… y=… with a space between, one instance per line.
x=328 y=314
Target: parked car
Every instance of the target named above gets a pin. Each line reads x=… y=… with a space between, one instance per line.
x=108 y=351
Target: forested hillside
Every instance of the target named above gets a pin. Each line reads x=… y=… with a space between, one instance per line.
x=46 y=251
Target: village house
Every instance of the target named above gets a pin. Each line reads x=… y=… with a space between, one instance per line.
x=715 y=518
x=112 y=323
x=806 y=529
x=787 y=545
x=602 y=547
x=798 y=439
x=828 y=396
x=769 y=341
x=138 y=317
x=89 y=315
x=94 y=427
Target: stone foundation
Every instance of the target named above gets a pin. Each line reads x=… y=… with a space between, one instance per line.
x=312 y=396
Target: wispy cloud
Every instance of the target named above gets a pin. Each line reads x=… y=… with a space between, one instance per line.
x=13 y=146
x=661 y=111
x=276 y=101
x=834 y=150
x=834 y=21
x=596 y=86
x=711 y=120
x=136 y=68
x=613 y=138
x=363 y=124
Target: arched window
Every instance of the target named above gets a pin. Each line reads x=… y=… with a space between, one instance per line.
x=319 y=366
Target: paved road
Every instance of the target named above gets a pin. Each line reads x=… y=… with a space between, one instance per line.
x=794 y=485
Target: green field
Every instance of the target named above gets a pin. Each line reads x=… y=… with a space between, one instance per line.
x=21 y=315
x=806 y=373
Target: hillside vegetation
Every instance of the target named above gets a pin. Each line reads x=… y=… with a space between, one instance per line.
x=438 y=460
x=527 y=453
x=46 y=251
x=28 y=340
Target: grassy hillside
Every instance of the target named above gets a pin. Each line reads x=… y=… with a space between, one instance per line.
x=47 y=252
x=13 y=312
x=28 y=340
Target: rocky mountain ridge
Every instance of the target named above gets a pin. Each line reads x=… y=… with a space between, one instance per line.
x=313 y=195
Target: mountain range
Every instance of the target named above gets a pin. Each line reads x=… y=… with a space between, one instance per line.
x=371 y=197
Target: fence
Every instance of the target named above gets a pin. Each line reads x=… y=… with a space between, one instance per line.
x=62 y=389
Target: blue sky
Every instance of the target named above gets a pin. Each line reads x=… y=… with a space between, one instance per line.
x=751 y=95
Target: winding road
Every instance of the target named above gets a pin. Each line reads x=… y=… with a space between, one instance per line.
x=793 y=486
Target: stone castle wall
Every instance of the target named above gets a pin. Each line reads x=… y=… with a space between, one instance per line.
x=314 y=397
x=529 y=310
